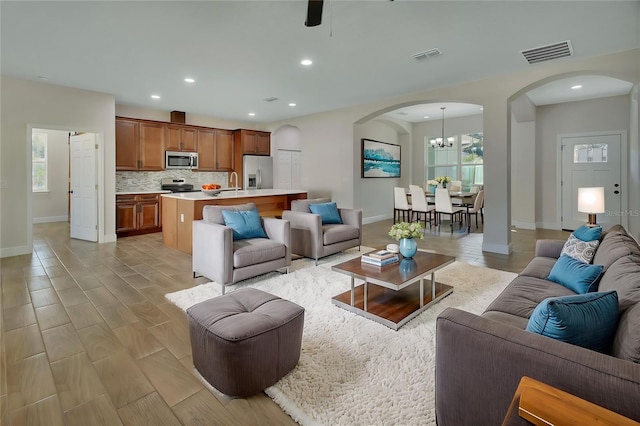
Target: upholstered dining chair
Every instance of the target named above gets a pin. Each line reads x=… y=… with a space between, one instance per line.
x=444 y=206
x=475 y=209
x=419 y=205
x=401 y=205
x=455 y=186
x=249 y=246
x=319 y=228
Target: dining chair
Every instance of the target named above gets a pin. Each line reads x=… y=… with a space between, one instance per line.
x=475 y=209
x=400 y=204
x=444 y=206
x=455 y=186
x=419 y=205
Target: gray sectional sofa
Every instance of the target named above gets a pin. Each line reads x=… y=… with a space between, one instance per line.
x=481 y=359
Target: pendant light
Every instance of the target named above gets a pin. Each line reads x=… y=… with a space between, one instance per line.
x=442 y=142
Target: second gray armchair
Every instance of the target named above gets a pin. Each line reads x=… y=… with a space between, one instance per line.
x=311 y=238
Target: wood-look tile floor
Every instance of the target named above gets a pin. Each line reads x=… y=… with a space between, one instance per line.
x=87 y=337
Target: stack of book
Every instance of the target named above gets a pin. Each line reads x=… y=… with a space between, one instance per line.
x=380 y=258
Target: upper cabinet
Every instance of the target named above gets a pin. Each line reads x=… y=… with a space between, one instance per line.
x=254 y=142
x=215 y=150
x=139 y=145
x=180 y=138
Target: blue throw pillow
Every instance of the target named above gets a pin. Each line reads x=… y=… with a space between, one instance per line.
x=587 y=233
x=327 y=211
x=244 y=223
x=575 y=275
x=588 y=320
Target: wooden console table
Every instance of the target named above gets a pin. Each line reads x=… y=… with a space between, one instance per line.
x=544 y=405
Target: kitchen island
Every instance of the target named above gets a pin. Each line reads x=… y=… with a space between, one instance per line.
x=179 y=210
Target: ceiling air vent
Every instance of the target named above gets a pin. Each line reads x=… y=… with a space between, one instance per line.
x=548 y=52
x=271 y=99
x=426 y=54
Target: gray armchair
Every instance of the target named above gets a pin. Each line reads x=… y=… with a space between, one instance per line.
x=221 y=259
x=310 y=238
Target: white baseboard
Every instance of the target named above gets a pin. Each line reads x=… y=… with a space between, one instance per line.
x=549 y=225
x=374 y=219
x=497 y=248
x=15 y=251
x=111 y=238
x=523 y=225
x=50 y=219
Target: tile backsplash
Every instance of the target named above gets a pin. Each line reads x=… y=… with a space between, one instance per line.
x=150 y=181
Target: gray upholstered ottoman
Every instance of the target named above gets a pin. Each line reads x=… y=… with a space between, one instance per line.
x=245 y=341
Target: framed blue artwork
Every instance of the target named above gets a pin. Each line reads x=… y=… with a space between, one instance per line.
x=380 y=159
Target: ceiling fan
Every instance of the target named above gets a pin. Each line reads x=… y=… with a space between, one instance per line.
x=314 y=13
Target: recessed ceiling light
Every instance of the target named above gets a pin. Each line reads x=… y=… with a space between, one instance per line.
x=481 y=108
x=251 y=114
x=189 y=80
x=306 y=62
x=292 y=104
x=426 y=116
x=155 y=96
x=577 y=86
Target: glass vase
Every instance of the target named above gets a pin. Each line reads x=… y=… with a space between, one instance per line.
x=408 y=247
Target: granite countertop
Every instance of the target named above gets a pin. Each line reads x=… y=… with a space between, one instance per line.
x=159 y=191
x=233 y=194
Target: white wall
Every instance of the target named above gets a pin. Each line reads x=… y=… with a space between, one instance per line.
x=594 y=115
x=330 y=141
x=52 y=206
x=523 y=163
x=25 y=105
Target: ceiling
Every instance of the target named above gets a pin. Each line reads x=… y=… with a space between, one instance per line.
x=242 y=52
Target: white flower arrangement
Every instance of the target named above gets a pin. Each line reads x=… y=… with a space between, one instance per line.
x=406 y=230
x=432 y=182
x=443 y=179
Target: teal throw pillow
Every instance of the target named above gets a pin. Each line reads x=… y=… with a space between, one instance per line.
x=588 y=233
x=575 y=275
x=244 y=223
x=327 y=211
x=588 y=320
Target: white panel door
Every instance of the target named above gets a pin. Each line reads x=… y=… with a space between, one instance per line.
x=296 y=168
x=84 y=192
x=289 y=164
x=591 y=161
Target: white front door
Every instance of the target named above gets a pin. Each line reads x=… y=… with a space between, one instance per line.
x=591 y=161
x=84 y=192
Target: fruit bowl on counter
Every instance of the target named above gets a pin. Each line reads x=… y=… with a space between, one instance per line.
x=211 y=189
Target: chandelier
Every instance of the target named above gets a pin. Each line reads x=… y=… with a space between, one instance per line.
x=442 y=142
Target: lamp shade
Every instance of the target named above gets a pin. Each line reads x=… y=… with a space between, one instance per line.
x=591 y=200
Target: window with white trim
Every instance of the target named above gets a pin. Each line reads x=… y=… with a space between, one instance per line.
x=39 y=162
x=462 y=161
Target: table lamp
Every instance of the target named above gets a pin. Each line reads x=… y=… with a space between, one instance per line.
x=591 y=201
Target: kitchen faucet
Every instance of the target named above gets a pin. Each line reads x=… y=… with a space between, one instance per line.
x=236 y=181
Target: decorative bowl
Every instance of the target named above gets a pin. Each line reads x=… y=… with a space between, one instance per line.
x=393 y=248
x=211 y=192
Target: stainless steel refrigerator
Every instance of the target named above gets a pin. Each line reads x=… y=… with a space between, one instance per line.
x=257 y=172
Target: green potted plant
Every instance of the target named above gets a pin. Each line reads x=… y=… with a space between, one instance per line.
x=407 y=233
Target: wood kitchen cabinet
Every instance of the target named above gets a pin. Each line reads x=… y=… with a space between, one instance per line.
x=139 y=145
x=215 y=150
x=138 y=214
x=180 y=138
x=253 y=142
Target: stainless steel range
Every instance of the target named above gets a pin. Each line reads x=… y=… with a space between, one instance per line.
x=177 y=185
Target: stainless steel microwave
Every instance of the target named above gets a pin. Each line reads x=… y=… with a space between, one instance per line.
x=181 y=160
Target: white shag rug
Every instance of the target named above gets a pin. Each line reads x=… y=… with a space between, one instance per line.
x=353 y=371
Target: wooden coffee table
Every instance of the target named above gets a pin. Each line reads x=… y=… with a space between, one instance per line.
x=386 y=294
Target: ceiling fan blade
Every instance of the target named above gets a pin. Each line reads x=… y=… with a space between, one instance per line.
x=314 y=13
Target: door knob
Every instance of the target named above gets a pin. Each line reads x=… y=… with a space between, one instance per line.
x=616 y=192
x=71 y=191
x=616 y=185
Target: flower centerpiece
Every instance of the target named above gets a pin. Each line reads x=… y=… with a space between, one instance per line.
x=431 y=185
x=406 y=233
x=443 y=180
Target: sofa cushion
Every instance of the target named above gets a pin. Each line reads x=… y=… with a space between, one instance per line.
x=508 y=319
x=615 y=244
x=626 y=344
x=338 y=233
x=588 y=233
x=539 y=267
x=256 y=250
x=303 y=205
x=623 y=276
x=327 y=211
x=579 y=249
x=524 y=293
x=575 y=275
x=245 y=224
x=588 y=320
x=214 y=213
